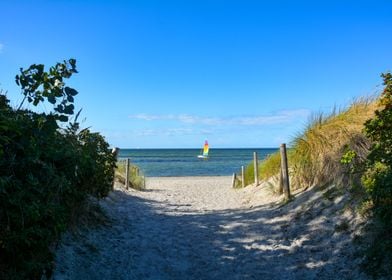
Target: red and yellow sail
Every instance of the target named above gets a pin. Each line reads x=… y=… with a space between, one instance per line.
x=206 y=148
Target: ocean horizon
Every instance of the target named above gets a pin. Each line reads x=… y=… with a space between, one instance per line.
x=168 y=162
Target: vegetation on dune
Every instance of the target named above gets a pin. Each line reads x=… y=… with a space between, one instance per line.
x=377 y=180
x=249 y=174
x=270 y=166
x=136 y=179
x=315 y=155
x=351 y=148
x=48 y=169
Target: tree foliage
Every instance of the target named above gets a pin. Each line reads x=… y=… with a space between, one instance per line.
x=46 y=172
x=38 y=85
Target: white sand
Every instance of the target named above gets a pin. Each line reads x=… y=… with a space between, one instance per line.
x=201 y=228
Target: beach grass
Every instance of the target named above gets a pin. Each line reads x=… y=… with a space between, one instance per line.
x=136 y=178
x=315 y=154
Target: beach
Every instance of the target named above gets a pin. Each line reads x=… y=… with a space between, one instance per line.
x=201 y=228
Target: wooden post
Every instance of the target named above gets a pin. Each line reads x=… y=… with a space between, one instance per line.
x=115 y=154
x=256 y=166
x=233 y=181
x=280 y=190
x=144 y=182
x=285 y=171
x=127 y=174
x=243 y=176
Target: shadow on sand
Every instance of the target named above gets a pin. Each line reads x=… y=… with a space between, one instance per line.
x=264 y=241
x=152 y=240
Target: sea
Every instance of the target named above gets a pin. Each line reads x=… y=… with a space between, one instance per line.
x=184 y=162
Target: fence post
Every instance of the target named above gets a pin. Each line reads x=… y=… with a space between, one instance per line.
x=233 y=181
x=280 y=190
x=285 y=171
x=115 y=151
x=256 y=166
x=127 y=174
x=243 y=176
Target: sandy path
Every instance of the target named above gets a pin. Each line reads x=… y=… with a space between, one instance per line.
x=200 y=228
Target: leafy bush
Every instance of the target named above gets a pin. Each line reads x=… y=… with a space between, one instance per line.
x=46 y=172
x=378 y=180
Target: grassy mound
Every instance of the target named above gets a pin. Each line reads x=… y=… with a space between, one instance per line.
x=315 y=155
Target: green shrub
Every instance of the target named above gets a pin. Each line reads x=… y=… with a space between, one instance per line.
x=378 y=178
x=46 y=172
x=378 y=181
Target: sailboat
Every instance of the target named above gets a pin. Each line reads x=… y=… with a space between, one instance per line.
x=205 y=151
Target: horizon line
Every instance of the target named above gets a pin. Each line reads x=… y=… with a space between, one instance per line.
x=182 y=148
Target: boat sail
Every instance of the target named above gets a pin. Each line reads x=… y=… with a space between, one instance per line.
x=205 y=151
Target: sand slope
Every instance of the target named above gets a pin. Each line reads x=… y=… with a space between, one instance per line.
x=200 y=228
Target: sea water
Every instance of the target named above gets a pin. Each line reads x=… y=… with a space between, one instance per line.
x=184 y=162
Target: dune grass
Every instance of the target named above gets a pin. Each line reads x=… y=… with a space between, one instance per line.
x=334 y=149
x=136 y=178
x=314 y=155
x=317 y=152
x=270 y=166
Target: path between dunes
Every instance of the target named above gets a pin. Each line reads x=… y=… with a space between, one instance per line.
x=201 y=228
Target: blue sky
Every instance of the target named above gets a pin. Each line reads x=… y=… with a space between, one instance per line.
x=162 y=74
